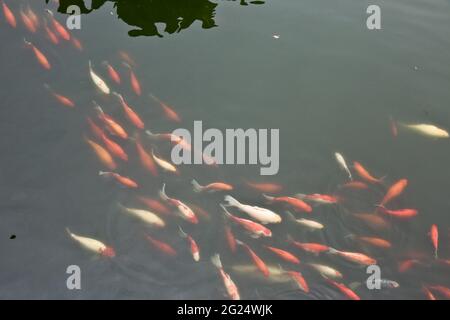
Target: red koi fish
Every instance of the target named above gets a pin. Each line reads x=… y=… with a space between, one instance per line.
x=146 y=160
x=168 y=111
x=113 y=74
x=112 y=125
x=154 y=205
x=50 y=34
x=355 y=185
x=62 y=31
x=299 y=280
x=344 y=289
x=231 y=240
x=9 y=16
x=114 y=148
x=264 y=187
x=355 y=257
x=311 y=247
x=212 y=187
x=161 y=246
x=434 y=236
x=135 y=85
x=96 y=130
x=60 y=98
x=129 y=112
x=27 y=22
x=400 y=213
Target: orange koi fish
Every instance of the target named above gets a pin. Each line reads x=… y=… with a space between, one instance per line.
x=192 y=245
x=135 y=85
x=393 y=126
x=444 y=291
x=9 y=16
x=113 y=74
x=355 y=257
x=27 y=22
x=60 y=98
x=155 y=205
x=168 y=111
x=212 y=187
x=400 y=213
x=364 y=174
x=113 y=127
x=376 y=242
x=372 y=220
x=356 y=185
x=296 y=204
x=40 y=57
x=161 y=246
x=259 y=263
x=146 y=160
x=96 y=130
x=434 y=236
x=264 y=187
x=102 y=154
x=231 y=240
x=129 y=112
x=299 y=280
x=62 y=31
x=311 y=247
x=114 y=148
x=285 y=255
x=394 y=191
x=345 y=290
x=77 y=44
x=51 y=35
x=124 y=181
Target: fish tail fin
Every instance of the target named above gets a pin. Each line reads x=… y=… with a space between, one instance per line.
x=350 y=236
x=127 y=65
x=197 y=186
x=232 y=202
x=290 y=216
x=27 y=43
x=162 y=192
x=181 y=232
x=69 y=232
x=239 y=242
x=268 y=198
x=225 y=211
x=105 y=63
x=150 y=134
x=215 y=260
x=300 y=195
x=332 y=250
x=90 y=64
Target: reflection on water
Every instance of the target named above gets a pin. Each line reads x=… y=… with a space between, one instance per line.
x=177 y=15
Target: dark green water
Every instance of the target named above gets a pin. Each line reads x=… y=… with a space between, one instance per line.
x=327 y=83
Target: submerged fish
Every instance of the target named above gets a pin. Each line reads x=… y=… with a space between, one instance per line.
x=310 y=224
x=184 y=211
x=256 y=229
x=261 y=214
x=99 y=82
x=230 y=286
x=259 y=263
x=296 y=204
x=146 y=216
x=9 y=16
x=342 y=164
x=124 y=181
x=428 y=130
x=212 y=187
x=93 y=245
x=195 y=251
x=40 y=57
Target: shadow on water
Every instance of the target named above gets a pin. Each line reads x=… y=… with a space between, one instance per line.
x=177 y=15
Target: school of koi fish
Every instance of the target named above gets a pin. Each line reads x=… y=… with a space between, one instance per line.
x=116 y=133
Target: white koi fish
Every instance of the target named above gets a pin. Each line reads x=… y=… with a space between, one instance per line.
x=146 y=216
x=261 y=214
x=93 y=245
x=99 y=82
x=342 y=164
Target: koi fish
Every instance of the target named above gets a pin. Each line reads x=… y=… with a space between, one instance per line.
x=299 y=280
x=9 y=16
x=342 y=164
x=99 y=82
x=311 y=224
x=261 y=214
x=50 y=34
x=444 y=291
x=372 y=220
x=96 y=130
x=58 y=26
x=428 y=130
x=135 y=85
x=434 y=236
x=165 y=165
x=356 y=185
x=145 y=216
x=264 y=187
x=114 y=147
x=230 y=286
x=296 y=204
x=283 y=254
x=129 y=112
x=113 y=74
x=103 y=155
x=32 y=16
x=428 y=293
x=259 y=263
x=77 y=44
x=184 y=211
x=127 y=58
x=310 y=247
x=93 y=245
x=257 y=230
x=60 y=98
x=394 y=191
x=161 y=246
x=192 y=245
x=112 y=125
x=364 y=174
x=231 y=240
x=40 y=57
x=168 y=111
x=155 y=205
x=400 y=213
x=355 y=257
x=376 y=242
x=27 y=22
x=326 y=271
x=212 y=187
x=345 y=290
x=318 y=198
x=124 y=181
x=146 y=160
x=393 y=126
x=406 y=265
